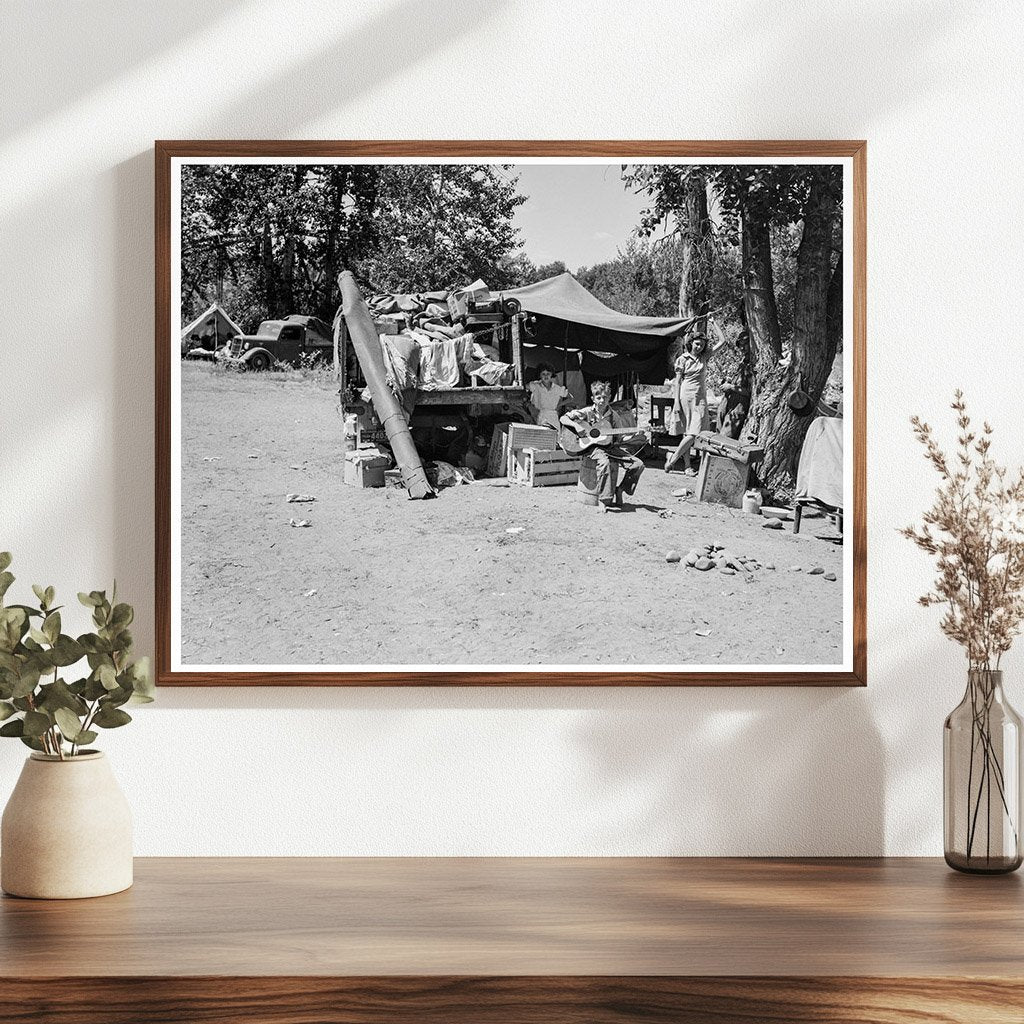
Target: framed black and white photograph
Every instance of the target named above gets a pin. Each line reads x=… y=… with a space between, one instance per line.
x=485 y=413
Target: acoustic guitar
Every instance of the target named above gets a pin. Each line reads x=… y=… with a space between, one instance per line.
x=582 y=437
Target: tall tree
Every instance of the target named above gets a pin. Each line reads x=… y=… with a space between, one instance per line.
x=680 y=195
x=756 y=204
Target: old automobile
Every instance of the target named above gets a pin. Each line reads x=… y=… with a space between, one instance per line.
x=295 y=341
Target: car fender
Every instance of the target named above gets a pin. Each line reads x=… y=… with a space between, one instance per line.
x=246 y=357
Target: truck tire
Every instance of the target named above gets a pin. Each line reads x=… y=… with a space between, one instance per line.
x=259 y=361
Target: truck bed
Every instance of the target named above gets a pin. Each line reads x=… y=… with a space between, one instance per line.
x=498 y=395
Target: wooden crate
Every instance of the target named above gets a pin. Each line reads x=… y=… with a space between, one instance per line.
x=497 y=454
x=533 y=467
x=509 y=438
x=722 y=481
x=528 y=435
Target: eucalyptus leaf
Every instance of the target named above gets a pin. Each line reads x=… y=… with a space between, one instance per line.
x=27 y=681
x=96 y=646
x=115 y=698
x=111 y=718
x=59 y=695
x=32 y=646
x=36 y=723
x=142 y=679
x=121 y=616
x=69 y=724
x=66 y=651
x=51 y=626
x=32 y=613
x=94 y=689
x=13 y=625
x=107 y=676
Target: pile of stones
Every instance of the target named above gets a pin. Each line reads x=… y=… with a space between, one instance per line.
x=715 y=556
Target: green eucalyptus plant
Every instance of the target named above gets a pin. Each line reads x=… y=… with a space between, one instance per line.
x=46 y=712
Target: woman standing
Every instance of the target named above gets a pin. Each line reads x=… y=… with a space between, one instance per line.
x=690 y=389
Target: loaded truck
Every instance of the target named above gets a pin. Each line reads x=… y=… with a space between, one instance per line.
x=451 y=423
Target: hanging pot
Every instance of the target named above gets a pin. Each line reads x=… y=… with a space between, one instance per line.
x=799 y=401
x=66 y=831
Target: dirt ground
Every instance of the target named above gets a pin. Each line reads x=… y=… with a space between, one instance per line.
x=381 y=580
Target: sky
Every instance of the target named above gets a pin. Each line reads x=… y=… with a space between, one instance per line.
x=578 y=213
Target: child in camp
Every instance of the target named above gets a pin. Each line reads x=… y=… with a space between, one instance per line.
x=608 y=460
x=547 y=398
x=690 y=390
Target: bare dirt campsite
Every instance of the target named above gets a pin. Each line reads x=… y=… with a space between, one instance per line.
x=525 y=576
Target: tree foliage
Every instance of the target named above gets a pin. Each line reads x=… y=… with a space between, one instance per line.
x=443 y=224
x=268 y=240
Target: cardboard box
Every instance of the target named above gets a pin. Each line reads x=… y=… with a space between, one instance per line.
x=365 y=467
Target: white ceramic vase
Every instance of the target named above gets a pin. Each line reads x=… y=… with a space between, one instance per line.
x=66 y=831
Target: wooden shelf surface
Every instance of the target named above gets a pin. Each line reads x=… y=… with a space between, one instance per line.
x=671 y=930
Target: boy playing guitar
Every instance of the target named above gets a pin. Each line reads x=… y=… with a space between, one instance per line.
x=614 y=423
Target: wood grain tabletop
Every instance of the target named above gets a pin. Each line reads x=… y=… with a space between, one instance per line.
x=501 y=917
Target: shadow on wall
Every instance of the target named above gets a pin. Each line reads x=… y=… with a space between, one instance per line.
x=889 y=50
x=748 y=771
x=690 y=771
x=109 y=30
x=393 y=40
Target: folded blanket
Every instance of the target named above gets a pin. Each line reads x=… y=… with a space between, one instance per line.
x=401 y=361
x=439 y=365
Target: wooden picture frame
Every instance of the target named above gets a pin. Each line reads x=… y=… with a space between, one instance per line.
x=852 y=154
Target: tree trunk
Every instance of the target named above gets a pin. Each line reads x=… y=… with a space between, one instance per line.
x=759 y=306
x=695 y=251
x=269 y=278
x=327 y=304
x=772 y=423
x=287 y=290
x=835 y=308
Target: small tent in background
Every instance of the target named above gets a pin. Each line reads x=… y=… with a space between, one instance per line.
x=209 y=331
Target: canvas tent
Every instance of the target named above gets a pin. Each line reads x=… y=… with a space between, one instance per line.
x=210 y=329
x=608 y=343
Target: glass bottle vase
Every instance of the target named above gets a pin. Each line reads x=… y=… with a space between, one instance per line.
x=981 y=772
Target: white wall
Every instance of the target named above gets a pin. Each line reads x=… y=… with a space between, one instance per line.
x=937 y=90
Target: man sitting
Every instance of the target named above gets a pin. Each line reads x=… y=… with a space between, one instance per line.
x=605 y=461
